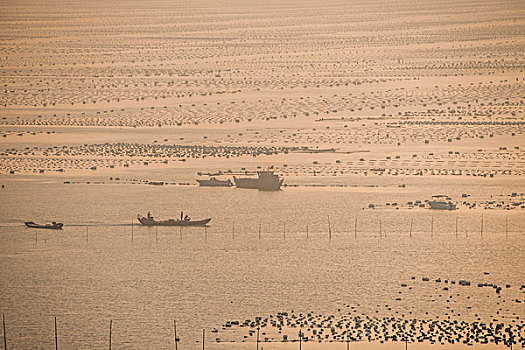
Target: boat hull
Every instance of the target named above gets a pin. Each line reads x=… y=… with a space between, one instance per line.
x=56 y=226
x=170 y=222
x=246 y=183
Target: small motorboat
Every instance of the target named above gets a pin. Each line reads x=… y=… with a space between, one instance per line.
x=52 y=226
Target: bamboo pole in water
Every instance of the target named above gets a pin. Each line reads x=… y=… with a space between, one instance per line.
x=411 y=224
x=203 y=334
x=110 y=326
x=260 y=224
x=175 y=329
x=56 y=334
x=258 y=327
x=432 y=227
x=329 y=228
x=233 y=231
x=355 y=228
x=481 y=229
x=5 y=336
x=306 y=230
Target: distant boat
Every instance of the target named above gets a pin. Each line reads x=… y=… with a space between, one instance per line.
x=150 y=221
x=315 y=150
x=441 y=204
x=265 y=181
x=51 y=226
x=214 y=182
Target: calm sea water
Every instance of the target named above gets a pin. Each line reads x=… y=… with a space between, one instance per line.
x=92 y=272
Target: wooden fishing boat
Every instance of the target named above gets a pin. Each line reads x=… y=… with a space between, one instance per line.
x=214 y=182
x=441 y=202
x=150 y=221
x=265 y=181
x=51 y=226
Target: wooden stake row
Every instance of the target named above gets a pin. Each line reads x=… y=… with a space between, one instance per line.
x=176 y=340
x=382 y=232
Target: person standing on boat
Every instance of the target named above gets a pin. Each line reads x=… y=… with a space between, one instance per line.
x=181 y=215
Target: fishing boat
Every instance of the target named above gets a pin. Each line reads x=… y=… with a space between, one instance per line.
x=150 y=221
x=266 y=180
x=52 y=226
x=441 y=202
x=214 y=182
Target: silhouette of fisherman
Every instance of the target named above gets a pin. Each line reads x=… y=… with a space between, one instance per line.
x=181 y=215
